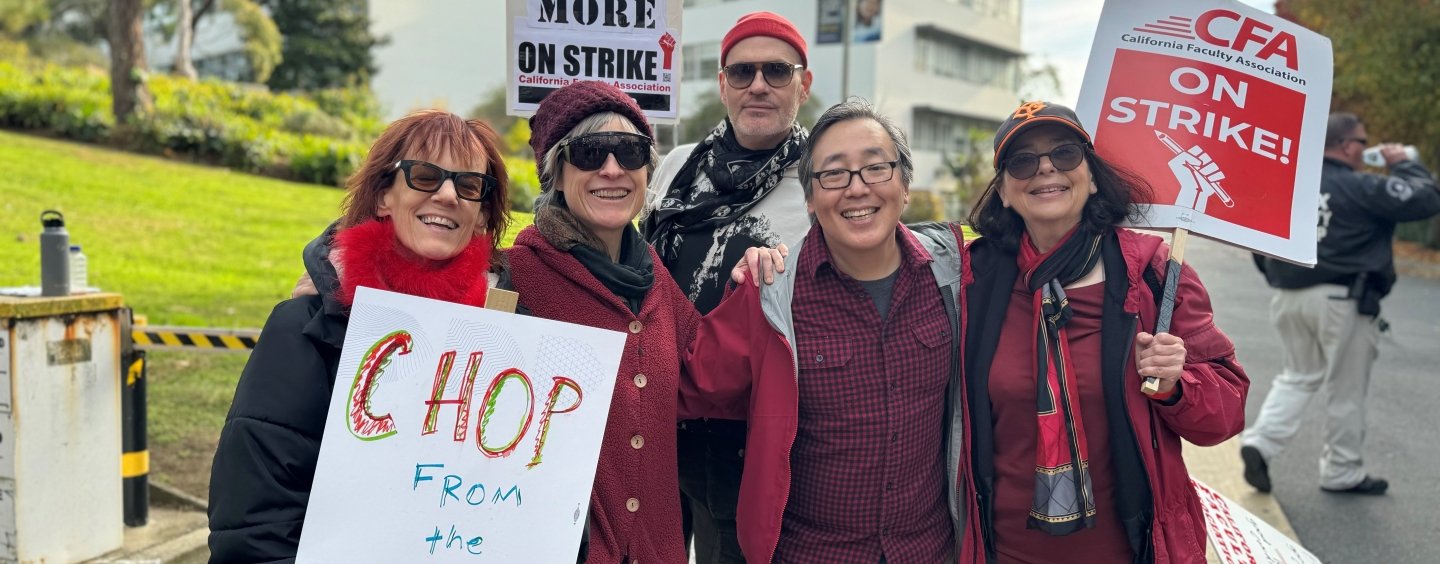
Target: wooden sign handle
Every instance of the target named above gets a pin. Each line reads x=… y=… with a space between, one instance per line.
x=1167 y=304
x=501 y=300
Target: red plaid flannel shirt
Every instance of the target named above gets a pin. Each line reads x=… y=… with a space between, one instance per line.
x=868 y=467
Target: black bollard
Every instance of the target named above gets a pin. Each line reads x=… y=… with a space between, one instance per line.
x=135 y=462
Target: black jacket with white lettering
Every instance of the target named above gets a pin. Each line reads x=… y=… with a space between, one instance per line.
x=1358 y=213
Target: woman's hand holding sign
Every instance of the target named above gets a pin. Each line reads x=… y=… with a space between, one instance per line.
x=1162 y=357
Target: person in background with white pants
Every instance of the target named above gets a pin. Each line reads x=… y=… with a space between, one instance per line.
x=1328 y=316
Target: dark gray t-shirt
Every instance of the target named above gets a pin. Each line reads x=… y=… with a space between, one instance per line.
x=880 y=291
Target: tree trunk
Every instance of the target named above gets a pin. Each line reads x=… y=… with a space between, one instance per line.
x=127 y=59
x=183 y=66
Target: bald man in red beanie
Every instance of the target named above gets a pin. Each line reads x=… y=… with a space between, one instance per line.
x=708 y=202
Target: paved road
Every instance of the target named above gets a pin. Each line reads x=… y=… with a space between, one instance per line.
x=1401 y=445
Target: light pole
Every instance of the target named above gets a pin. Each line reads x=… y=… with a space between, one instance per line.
x=847 y=22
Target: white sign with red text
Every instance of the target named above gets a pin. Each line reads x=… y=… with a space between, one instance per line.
x=632 y=44
x=458 y=434
x=1222 y=108
x=1239 y=537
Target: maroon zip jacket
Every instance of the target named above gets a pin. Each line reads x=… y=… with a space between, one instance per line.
x=1210 y=410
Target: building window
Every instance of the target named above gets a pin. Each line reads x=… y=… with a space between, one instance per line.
x=702 y=61
x=945 y=55
x=947 y=133
x=1003 y=10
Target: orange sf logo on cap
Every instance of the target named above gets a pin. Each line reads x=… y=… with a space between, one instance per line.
x=1029 y=110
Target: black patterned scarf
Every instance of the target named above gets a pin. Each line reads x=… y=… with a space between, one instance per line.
x=735 y=180
x=1064 y=499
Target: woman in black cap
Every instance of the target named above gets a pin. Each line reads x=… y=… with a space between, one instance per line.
x=1072 y=462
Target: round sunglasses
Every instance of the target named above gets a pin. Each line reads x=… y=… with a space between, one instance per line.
x=778 y=74
x=425 y=177
x=1021 y=166
x=588 y=152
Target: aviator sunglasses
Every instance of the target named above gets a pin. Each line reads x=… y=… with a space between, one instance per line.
x=1065 y=157
x=425 y=177
x=777 y=73
x=588 y=152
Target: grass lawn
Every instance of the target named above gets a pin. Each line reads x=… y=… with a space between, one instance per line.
x=185 y=245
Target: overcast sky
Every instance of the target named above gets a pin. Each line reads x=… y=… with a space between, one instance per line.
x=1060 y=31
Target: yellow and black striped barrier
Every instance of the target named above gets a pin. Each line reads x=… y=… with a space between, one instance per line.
x=161 y=338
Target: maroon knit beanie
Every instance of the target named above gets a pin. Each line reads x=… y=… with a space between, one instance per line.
x=565 y=108
x=764 y=24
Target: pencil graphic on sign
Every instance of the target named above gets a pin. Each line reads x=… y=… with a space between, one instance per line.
x=1203 y=174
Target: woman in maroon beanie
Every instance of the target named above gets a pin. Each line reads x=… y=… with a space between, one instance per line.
x=583 y=262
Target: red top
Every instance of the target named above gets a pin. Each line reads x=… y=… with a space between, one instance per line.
x=868 y=460
x=634 y=510
x=1012 y=399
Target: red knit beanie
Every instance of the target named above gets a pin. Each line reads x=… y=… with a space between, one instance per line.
x=764 y=24
x=565 y=108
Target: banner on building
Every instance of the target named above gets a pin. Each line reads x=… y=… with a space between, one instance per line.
x=456 y=431
x=829 y=21
x=1239 y=537
x=1222 y=108
x=868 y=26
x=632 y=44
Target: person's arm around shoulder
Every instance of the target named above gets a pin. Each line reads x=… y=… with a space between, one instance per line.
x=1206 y=404
x=718 y=367
x=1408 y=194
x=265 y=461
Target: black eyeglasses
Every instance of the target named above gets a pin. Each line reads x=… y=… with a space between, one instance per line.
x=835 y=179
x=426 y=177
x=588 y=152
x=778 y=74
x=1065 y=157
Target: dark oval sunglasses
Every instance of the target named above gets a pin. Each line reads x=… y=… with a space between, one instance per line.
x=426 y=177
x=588 y=152
x=1021 y=166
x=778 y=74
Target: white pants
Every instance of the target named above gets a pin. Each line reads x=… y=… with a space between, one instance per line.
x=1327 y=343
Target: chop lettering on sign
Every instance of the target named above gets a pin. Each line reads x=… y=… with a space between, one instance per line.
x=432 y=403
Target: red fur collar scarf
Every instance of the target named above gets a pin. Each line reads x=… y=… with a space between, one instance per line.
x=369 y=255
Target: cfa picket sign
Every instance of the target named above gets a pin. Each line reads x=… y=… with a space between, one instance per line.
x=1222 y=108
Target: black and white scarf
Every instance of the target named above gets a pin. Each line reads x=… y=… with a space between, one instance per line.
x=736 y=182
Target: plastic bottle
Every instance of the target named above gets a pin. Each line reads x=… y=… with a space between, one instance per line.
x=54 y=255
x=1373 y=157
x=79 y=275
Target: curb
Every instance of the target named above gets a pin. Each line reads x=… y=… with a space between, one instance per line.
x=1220 y=468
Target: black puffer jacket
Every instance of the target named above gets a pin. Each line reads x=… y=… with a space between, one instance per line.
x=265 y=462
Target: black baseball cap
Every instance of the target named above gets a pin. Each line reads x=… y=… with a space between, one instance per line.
x=1030 y=115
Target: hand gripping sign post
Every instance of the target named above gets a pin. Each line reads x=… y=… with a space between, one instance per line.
x=1222 y=108
x=632 y=44
x=457 y=434
x=1239 y=537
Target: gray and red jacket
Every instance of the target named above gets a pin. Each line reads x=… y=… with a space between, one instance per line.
x=743 y=359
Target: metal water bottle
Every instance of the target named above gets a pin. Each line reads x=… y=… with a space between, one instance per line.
x=54 y=255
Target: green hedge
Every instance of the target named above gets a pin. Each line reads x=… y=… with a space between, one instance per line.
x=318 y=138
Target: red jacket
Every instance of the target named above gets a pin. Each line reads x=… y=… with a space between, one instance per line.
x=1210 y=410
x=637 y=457
x=742 y=361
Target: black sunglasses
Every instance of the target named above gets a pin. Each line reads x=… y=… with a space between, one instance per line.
x=425 y=177
x=1360 y=140
x=1021 y=166
x=778 y=74
x=588 y=152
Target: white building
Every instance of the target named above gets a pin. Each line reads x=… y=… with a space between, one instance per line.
x=940 y=67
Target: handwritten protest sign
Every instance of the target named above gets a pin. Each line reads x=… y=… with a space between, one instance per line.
x=1222 y=108
x=632 y=44
x=457 y=434
x=1239 y=537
